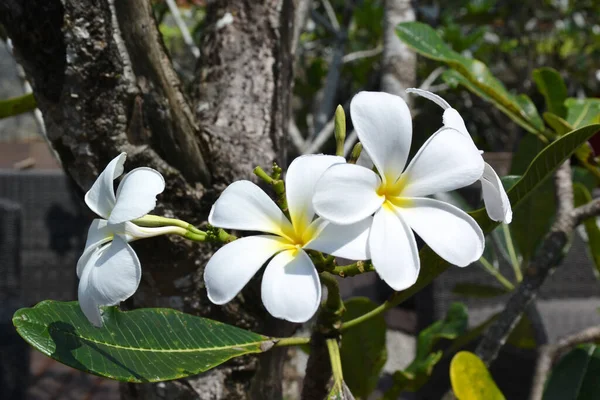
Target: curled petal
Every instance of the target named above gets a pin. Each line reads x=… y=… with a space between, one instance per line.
x=111 y=275
x=451 y=117
x=384 y=127
x=98 y=234
x=300 y=181
x=101 y=196
x=291 y=288
x=393 y=249
x=346 y=241
x=447 y=161
x=495 y=198
x=234 y=264
x=449 y=231
x=347 y=194
x=430 y=96
x=136 y=195
x=245 y=206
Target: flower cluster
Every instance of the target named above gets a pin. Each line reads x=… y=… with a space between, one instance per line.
x=344 y=210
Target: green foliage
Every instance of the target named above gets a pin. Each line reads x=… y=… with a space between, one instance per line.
x=340 y=391
x=471 y=380
x=363 y=350
x=17 y=105
x=583 y=196
x=581 y=112
x=146 y=345
x=553 y=88
x=576 y=375
x=473 y=74
x=478 y=290
x=523 y=335
x=420 y=369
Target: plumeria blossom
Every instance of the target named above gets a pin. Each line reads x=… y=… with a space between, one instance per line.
x=109 y=270
x=349 y=193
x=291 y=289
x=495 y=198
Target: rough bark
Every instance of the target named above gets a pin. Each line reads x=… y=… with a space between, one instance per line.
x=104 y=84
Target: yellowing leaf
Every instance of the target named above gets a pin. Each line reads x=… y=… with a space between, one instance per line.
x=471 y=380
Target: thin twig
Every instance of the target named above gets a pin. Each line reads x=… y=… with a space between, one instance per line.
x=586 y=211
x=426 y=85
x=320 y=138
x=331 y=14
x=350 y=141
x=551 y=352
x=296 y=136
x=357 y=55
x=320 y=19
x=185 y=33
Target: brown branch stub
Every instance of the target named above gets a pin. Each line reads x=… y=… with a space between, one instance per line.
x=589 y=210
x=549 y=353
x=544 y=263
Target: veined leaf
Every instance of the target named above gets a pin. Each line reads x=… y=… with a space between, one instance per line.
x=575 y=376
x=17 y=105
x=471 y=380
x=146 y=345
x=473 y=74
x=581 y=112
x=583 y=196
x=553 y=88
x=363 y=352
x=540 y=168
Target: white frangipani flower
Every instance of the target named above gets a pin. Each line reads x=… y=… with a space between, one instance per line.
x=495 y=198
x=109 y=270
x=349 y=193
x=291 y=289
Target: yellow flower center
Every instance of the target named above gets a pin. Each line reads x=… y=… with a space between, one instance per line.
x=392 y=192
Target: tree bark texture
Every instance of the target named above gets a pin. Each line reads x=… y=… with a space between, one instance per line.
x=105 y=84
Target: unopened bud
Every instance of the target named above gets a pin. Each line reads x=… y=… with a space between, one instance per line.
x=356 y=150
x=340 y=130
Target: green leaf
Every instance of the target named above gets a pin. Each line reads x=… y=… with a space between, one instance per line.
x=146 y=345
x=17 y=105
x=553 y=88
x=471 y=380
x=420 y=369
x=532 y=219
x=583 y=196
x=559 y=125
x=582 y=112
x=543 y=165
x=523 y=335
x=478 y=290
x=473 y=74
x=576 y=375
x=363 y=350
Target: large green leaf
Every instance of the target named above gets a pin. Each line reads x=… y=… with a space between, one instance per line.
x=553 y=88
x=576 y=376
x=583 y=196
x=17 y=105
x=540 y=169
x=473 y=74
x=146 y=345
x=471 y=380
x=363 y=350
x=581 y=112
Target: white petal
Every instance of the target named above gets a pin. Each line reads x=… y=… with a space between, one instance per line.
x=98 y=234
x=364 y=160
x=291 y=289
x=495 y=198
x=384 y=127
x=101 y=197
x=234 y=264
x=451 y=117
x=430 y=96
x=347 y=241
x=449 y=231
x=110 y=276
x=136 y=195
x=347 y=194
x=244 y=206
x=393 y=249
x=300 y=181
x=447 y=161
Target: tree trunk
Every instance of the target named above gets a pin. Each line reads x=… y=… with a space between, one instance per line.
x=104 y=83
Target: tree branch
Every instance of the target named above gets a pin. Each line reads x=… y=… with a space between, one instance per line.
x=551 y=352
x=548 y=257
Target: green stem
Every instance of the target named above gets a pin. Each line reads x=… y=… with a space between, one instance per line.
x=376 y=311
x=496 y=274
x=512 y=253
x=152 y=221
x=258 y=171
x=291 y=341
x=357 y=268
x=334 y=303
x=336 y=360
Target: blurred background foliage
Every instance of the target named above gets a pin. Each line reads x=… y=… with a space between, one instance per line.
x=513 y=37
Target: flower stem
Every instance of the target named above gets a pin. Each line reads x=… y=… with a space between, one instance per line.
x=277 y=184
x=512 y=253
x=152 y=221
x=334 y=301
x=291 y=341
x=496 y=274
x=336 y=361
x=356 y=268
